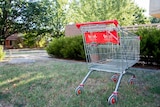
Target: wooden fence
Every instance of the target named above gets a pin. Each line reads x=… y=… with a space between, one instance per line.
x=136 y=27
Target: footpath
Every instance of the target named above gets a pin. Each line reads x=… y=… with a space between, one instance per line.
x=20 y=56
x=17 y=56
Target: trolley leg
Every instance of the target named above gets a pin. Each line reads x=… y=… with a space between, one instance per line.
x=86 y=77
x=118 y=83
x=113 y=98
x=79 y=89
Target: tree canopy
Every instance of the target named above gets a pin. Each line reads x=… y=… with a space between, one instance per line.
x=30 y=16
x=9 y=13
x=51 y=16
x=125 y=11
x=19 y=16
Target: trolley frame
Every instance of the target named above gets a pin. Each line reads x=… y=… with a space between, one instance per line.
x=109 y=48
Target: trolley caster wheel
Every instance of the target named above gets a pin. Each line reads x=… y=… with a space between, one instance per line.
x=79 y=90
x=114 y=78
x=112 y=99
x=132 y=80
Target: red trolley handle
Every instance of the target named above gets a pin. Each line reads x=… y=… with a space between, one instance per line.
x=115 y=22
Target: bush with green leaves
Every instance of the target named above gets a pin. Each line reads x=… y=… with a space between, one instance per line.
x=67 y=47
x=150 y=44
x=35 y=40
x=72 y=47
x=2 y=53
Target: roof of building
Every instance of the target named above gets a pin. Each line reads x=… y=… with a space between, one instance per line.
x=72 y=30
x=13 y=37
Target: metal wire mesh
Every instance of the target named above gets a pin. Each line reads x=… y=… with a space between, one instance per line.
x=109 y=48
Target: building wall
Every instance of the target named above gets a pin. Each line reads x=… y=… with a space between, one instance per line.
x=8 y=44
x=154 y=8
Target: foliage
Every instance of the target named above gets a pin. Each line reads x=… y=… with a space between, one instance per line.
x=41 y=42
x=125 y=11
x=33 y=16
x=56 y=16
x=8 y=18
x=20 y=16
x=29 y=16
x=29 y=39
x=150 y=43
x=139 y=17
x=154 y=20
x=67 y=47
x=2 y=53
x=70 y=47
x=51 y=16
x=33 y=40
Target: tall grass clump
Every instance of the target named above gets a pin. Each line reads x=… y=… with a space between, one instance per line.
x=2 y=53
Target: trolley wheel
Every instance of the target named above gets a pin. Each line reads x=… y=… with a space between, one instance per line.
x=132 y=80
x=114 y=78
x=79 y=90
x=112 y=99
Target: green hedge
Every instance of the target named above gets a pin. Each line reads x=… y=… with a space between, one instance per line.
x=67 y=47
x=72 y=47
x=150 y=45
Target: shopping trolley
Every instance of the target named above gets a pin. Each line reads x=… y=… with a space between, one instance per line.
x=109 y=48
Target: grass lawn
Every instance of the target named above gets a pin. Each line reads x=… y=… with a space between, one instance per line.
x=53 y=83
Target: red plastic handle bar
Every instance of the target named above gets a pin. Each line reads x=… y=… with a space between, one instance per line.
x=115 y=22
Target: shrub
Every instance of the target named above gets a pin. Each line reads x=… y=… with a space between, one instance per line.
x=67 y=47
x=2 y=53
x=34 y=40
x=41 y=42
x=30 y=39
x=150 y=44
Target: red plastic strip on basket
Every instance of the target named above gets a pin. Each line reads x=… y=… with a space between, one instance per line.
x=115 y=22
x=102 y=37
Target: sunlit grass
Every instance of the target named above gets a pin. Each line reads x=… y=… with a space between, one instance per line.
x=53 y=83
